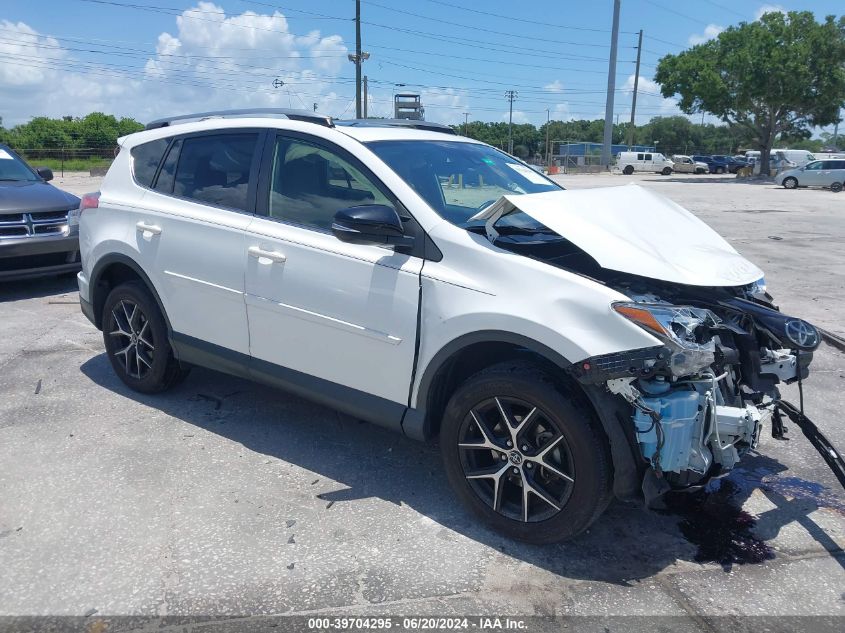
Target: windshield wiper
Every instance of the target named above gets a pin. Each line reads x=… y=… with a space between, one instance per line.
x=523 y=230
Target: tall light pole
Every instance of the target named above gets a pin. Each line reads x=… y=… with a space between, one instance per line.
x=636 y=84
x=611 y=87
x=358 y=58
x=510 y=95
x=466 y=123
x=548 y=123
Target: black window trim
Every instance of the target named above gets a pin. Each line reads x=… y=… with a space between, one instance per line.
x=254 y=168
x=423 y=246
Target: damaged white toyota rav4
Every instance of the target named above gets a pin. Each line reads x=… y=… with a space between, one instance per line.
x=565 y=346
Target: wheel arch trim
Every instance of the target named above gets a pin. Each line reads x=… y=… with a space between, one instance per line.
x=627 y=477
x=102 y=265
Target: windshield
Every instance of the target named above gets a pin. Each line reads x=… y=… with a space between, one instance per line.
x=13 y=168
x=459 y=179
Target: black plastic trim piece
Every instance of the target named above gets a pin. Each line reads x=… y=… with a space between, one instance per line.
x=416 y=423
x=96 y=275
x=353 y=402
x=87 y=310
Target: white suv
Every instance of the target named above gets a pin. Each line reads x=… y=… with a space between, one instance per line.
x=566 y=346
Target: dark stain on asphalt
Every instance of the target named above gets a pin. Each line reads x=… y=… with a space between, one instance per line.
x=721 y=530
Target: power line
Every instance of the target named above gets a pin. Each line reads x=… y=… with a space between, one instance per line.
x=728 y=9
x=495 y=46
x=482 y=29
x=511 y=18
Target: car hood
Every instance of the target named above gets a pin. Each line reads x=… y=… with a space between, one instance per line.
x=633 y=230
x=22 y=196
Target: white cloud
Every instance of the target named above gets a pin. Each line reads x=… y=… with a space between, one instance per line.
x=768 y=8
x=215 y=62
x=519 y=117
x=445 y=105
x=555 y=86
x=710 y=31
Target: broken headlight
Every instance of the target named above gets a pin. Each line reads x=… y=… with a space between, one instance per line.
x=685 y=330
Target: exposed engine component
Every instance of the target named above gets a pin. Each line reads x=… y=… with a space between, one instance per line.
x=701 y=400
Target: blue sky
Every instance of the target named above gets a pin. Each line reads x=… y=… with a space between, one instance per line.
x=73 y=56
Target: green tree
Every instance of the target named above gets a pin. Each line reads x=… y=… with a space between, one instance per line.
x=777 y=75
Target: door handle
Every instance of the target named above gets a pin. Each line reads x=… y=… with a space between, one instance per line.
x=276 y=256
x=148 y=228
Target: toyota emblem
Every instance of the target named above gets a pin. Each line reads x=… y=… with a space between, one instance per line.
x=802 y=333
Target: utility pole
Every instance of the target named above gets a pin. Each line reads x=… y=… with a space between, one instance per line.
x=548 y=122
x=466 y=123
x=357 y=59
x=365 y=96
x=611 y=87
x=510 y=95
x=636 y=84
x=315 y=106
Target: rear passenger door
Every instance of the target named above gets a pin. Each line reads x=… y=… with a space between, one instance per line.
x=191 y=235
x=332 y=319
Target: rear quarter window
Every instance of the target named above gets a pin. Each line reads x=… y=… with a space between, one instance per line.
x=145 y=160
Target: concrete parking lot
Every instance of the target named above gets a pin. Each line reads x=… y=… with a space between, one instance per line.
x=226 y=497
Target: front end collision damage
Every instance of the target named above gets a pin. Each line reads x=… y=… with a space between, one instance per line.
x=701 y=401
x=698 y=402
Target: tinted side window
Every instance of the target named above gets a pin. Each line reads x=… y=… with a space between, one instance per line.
x=839 y=164
x=164 y=183
x=309 y=184
x=648 y=156
x=639 y=156
x=814 y=166
x=215 y=169
x=145 y=160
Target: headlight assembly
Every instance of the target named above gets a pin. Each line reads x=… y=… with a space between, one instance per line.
x=683 y=329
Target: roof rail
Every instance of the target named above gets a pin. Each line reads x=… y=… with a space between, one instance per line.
x=281 y=113
x=411 y=123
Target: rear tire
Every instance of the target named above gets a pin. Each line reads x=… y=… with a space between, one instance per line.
x=629 y=169
x=558 y=458
x=136 y=341
x=836 y=187
x=790 y=183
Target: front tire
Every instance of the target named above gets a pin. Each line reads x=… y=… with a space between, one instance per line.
x=136 y=341
x=525 y=455
x=629 y=169
x=666 y=171
x=790 y=183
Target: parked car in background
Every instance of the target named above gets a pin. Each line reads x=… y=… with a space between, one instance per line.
x=565 y=346
x=733 y=164
x=713 y=165
x=629 y=162
x=35 y=237
x=686 y=165
x=827 y=173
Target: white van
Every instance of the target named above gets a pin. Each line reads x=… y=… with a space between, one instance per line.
x=629 y=162
x=790 y=157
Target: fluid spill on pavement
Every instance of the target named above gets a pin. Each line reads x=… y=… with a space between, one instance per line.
x=722 y=531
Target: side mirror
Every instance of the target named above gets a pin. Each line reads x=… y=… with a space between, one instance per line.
x=45 y=172
x=370 y=224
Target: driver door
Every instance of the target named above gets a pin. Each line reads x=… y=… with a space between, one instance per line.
x=326 y=316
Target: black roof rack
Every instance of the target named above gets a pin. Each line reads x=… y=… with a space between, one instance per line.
x=411 y=123
x=281 y=113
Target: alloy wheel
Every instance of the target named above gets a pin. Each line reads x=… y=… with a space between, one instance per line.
x=516 y=459
x=135 y=345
